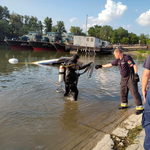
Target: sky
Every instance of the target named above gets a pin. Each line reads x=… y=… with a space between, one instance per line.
x=132 y=15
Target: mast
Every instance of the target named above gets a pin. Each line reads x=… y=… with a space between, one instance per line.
x=86 y=24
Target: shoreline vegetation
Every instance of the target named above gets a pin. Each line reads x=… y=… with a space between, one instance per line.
x=14 y=25
x=121 y=143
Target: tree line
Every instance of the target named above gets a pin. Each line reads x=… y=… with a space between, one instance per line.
x=15 y=25
x=119 y=35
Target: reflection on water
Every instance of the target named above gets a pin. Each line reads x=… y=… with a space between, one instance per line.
x=69 y=116
x=31 y=111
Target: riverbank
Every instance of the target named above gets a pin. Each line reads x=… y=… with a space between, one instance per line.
x=129 y=135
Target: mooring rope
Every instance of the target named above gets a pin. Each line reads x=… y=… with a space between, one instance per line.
x=90 y=71
x=52 y=81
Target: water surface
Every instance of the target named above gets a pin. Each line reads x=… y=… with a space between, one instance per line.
x=34 y=116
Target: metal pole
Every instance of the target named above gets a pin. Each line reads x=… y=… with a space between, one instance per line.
x=86 y=24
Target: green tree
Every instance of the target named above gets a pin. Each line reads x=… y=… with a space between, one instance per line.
x=125 y=40
x=59 y=28
x=143 y=38
x=48 y=24
x=16 y=23
x=4 y=22
x=134 y=39
x=54 y=28
x=33 y=24
x=106 y=32
x=40 y=27
x=115 y=37
x=130 y=35
x=122 y=32
x=148 y=41
x=26 y=20
x=4 y=29
x=4 y=13
x=91 y=31
x=76 y=30
x=95 y=31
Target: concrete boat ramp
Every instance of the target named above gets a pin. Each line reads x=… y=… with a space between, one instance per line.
x=98 y=136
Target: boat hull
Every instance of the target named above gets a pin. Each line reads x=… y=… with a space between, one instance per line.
x=19 y=45
x=42 y=46
x=60 y=47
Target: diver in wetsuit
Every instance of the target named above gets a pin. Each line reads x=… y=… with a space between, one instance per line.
x=71 y=76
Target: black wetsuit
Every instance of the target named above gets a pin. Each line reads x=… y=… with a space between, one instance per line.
x=71 y=76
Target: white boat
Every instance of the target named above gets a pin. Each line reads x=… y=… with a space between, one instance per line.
x=52 y=61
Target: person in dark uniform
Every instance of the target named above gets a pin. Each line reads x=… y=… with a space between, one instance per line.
x=129 y=79
x=146 y=95
x=71 y=77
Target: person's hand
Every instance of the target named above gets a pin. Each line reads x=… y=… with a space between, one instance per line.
x=136 y=78
x=98 y=66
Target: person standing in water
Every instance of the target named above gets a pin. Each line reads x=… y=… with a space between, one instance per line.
x=71 y=77
x=129 y=79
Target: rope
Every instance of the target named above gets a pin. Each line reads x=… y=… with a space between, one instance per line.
x=52 y=81
x=90 y=71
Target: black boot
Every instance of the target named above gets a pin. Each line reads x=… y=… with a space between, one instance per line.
x=138 y=112
x=122 y=107
x=66 y=94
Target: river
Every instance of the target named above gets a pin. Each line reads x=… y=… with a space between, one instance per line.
x=34 y=116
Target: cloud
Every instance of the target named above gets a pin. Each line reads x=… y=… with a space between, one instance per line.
x=126 y=26
x=72 y=19
x=112 y=11
x=144 y=19
x=88 y=26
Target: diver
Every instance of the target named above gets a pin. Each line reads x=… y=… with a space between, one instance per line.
x=71 y=77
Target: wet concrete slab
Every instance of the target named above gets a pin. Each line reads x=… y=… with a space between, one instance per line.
x=126 y=122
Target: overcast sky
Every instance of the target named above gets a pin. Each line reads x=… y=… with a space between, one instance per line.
x=132 y=15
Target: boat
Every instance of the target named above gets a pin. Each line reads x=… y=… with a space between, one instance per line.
x=52 y=61
x=19 y=45
x=60 y=47
x=106 y=48
x=60 y=42
x=42 y=46
x=90 y=44
x=22 y=43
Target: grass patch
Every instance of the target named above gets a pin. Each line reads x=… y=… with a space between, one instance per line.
x=121 y=143
x=142 y=51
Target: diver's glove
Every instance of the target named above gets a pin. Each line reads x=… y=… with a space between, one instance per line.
x=98 y=66
x=89 y=64
x=136 y=77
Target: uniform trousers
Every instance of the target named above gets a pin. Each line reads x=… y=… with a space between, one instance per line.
x=128 y=83
x=146 y=121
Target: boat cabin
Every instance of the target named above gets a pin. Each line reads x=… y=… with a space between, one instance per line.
x=87 y=41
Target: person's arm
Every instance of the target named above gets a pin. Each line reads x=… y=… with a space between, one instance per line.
x=77 y=67
x=107 y=65
x=145 y=78
x=135 y=68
